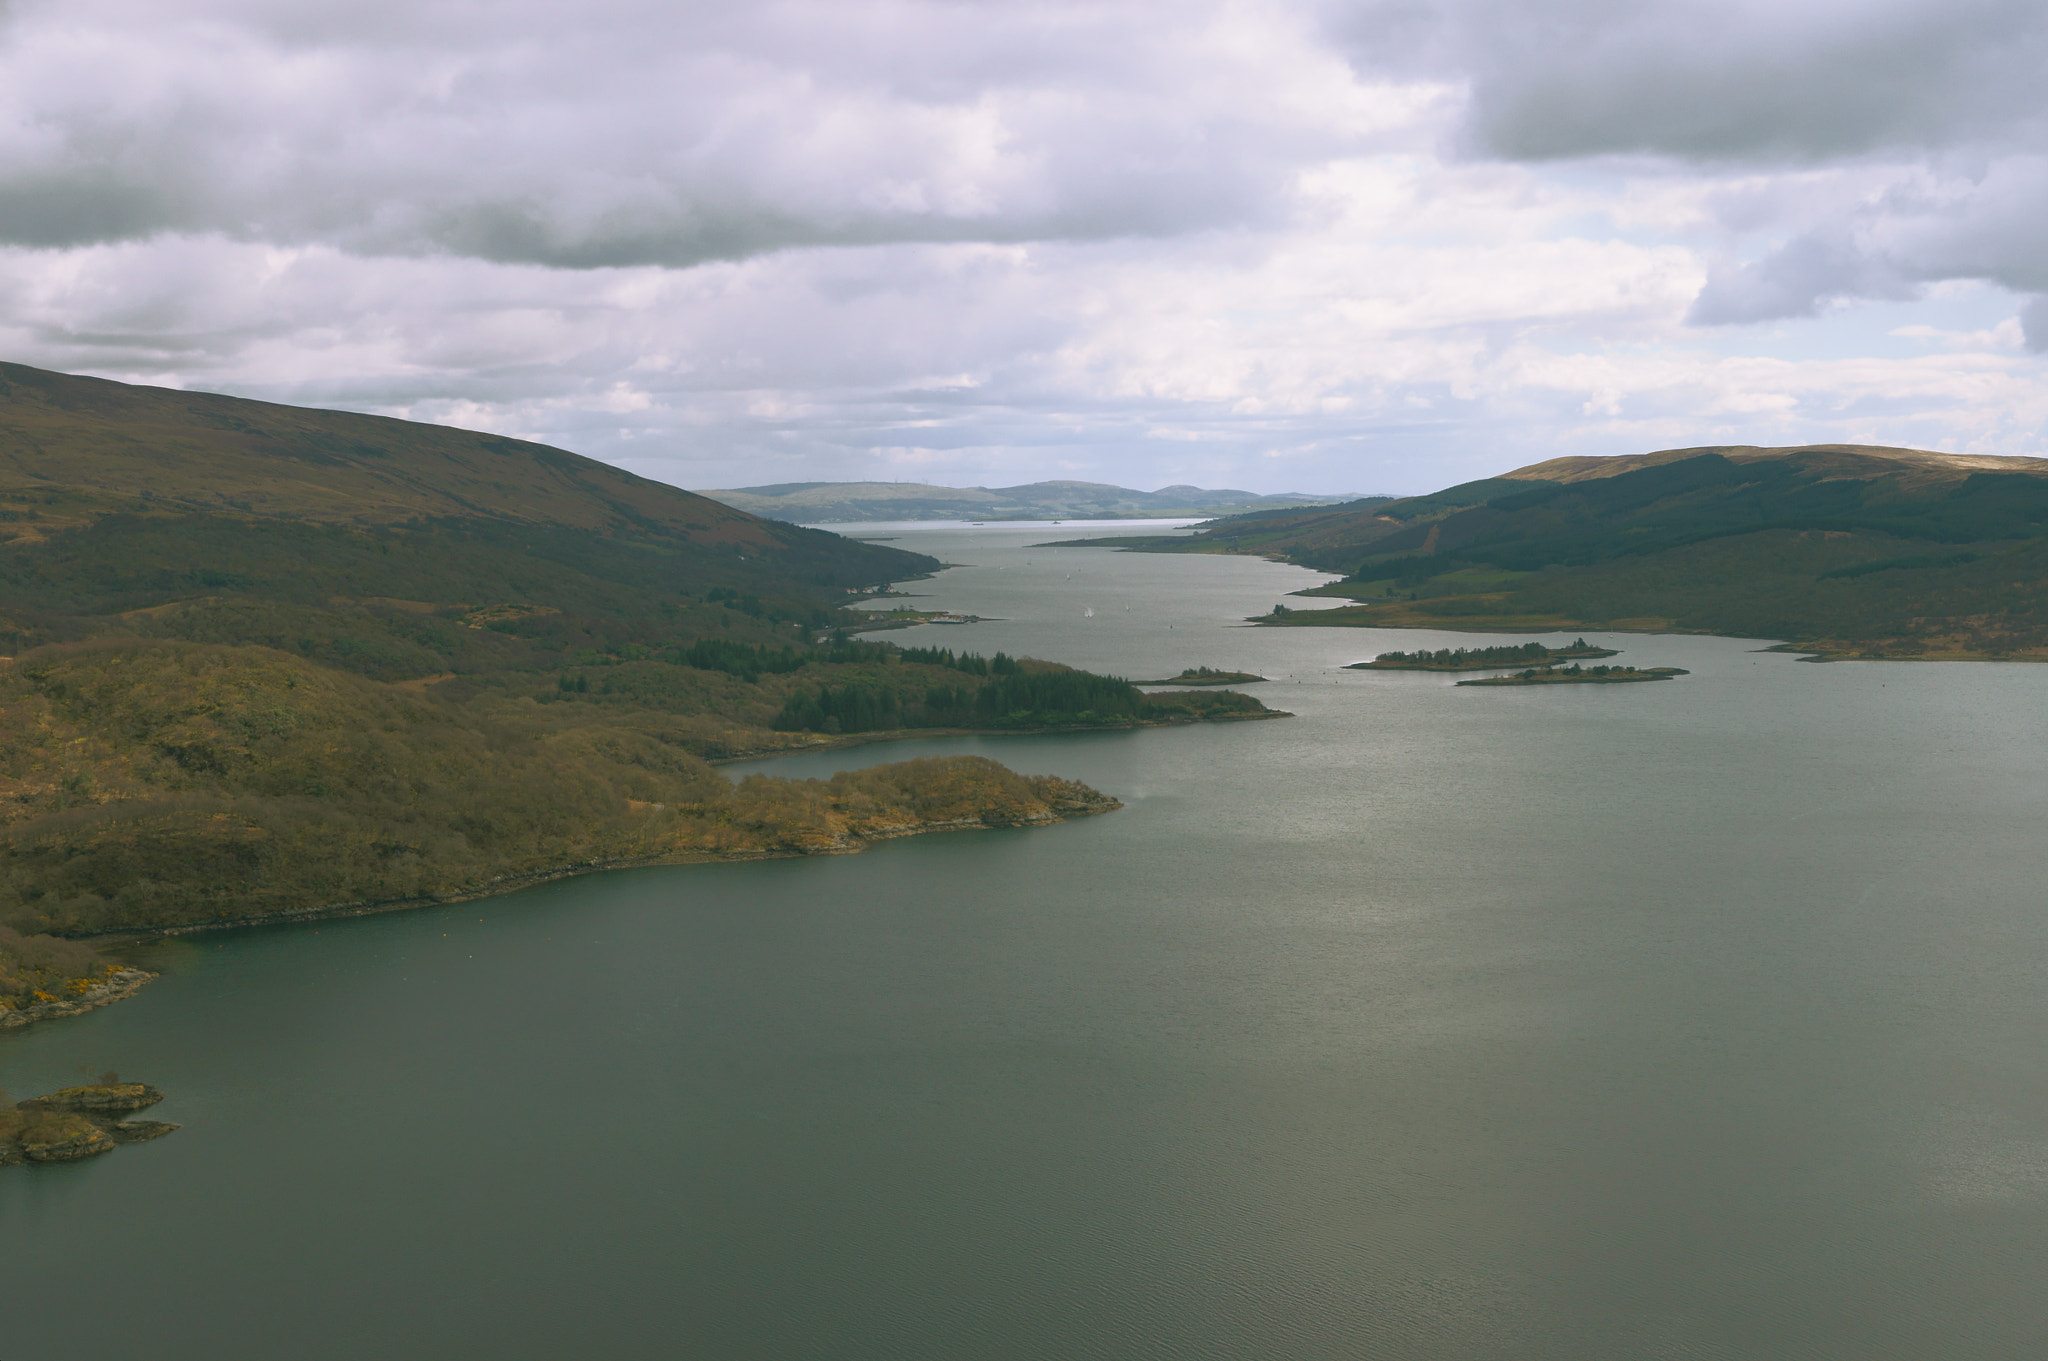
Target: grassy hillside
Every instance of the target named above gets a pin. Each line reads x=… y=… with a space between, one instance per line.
x=1848 y=549
x=73 y=449
x=259 y=661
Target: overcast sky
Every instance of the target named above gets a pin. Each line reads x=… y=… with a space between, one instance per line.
x=1354 y=245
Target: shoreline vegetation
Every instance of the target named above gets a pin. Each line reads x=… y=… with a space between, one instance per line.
x=843 y=823
x=77 y=1122
x=277 y=876
x=35 y=987
x=1483 y=658
x=47 y=977
x=1582 y=675
x=159 y=824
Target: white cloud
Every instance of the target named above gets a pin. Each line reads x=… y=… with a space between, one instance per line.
x=1315 y=246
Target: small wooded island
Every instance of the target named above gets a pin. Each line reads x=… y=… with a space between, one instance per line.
x=77 y=1122
x=1206 y=675
x=1582 y=675
x=1482 y=658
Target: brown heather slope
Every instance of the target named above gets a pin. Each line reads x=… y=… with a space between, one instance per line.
x=1919 y=466
x=73 y=448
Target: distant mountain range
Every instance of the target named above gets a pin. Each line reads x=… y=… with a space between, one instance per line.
x=817 y=503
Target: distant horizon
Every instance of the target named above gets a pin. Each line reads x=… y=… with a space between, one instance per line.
x=1051 y=499
x=773 y=487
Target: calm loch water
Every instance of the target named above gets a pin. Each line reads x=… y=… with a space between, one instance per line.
x=1697 y=1020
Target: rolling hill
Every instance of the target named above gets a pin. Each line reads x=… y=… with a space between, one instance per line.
x=75 y=450
x=1844 y=549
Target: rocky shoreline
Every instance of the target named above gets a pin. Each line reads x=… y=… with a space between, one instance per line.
x=125 y=983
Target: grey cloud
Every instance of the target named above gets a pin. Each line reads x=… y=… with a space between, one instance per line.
x=1796 y=280
x=1744 y=82
x=498 y=213
x=1927 y=114
x=1983 y=225
x=77 y=208
x=2034 y=323
x=625 y=133
x=1786 y=82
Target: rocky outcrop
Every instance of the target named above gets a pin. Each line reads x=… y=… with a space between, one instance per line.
x=1071 y=798
x=74 y=1139
x=105 y=1098
x=78 y=1122
x=126 y=983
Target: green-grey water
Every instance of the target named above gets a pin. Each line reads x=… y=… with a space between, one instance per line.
x=1705 y=1019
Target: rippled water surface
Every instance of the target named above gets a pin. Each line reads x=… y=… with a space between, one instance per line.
x=1705 y=1019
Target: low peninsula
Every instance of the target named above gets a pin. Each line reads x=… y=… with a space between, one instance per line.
x=77 y=1122
x=1582 y=675
x=1206 y=675
x=1483 y=658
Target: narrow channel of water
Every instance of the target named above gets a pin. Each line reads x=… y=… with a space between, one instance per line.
x=1701 y=1019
